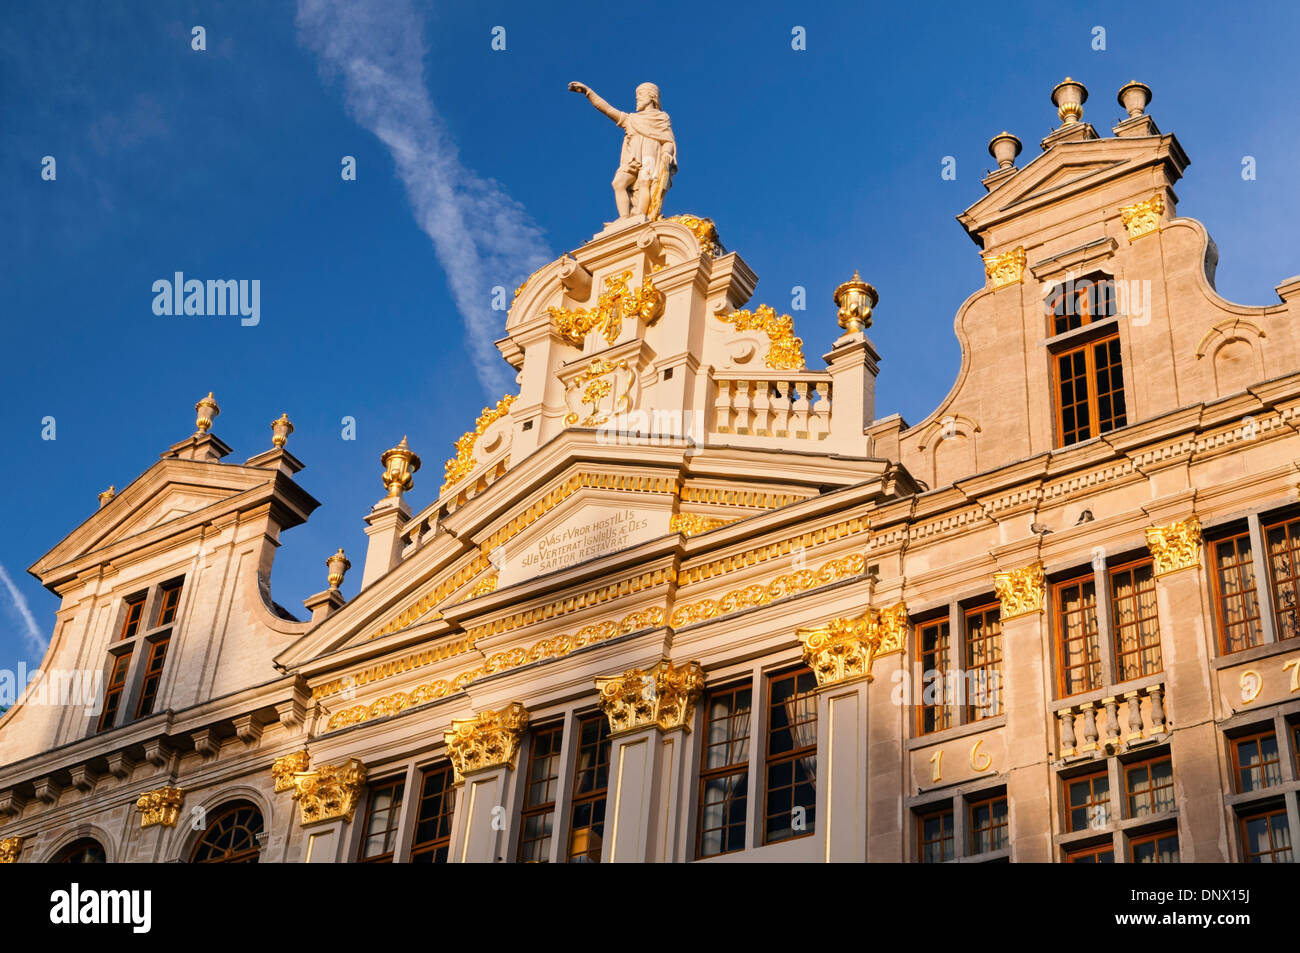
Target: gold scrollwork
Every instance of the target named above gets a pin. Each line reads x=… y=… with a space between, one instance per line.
x=691 y=524
x=487 y=740
x=594 y=387
x=845 y=649
x=785 y=351
x=1020 y=591
x=761 y=594
x=455 y=469
x=663 y=696
x=330 y=792
x=705 y=232
x=1142 y=218
x=162 y=806
x=283 y=770
x=1005 y=269
x=615 y=303
x=1175 y=547
x=10 y=848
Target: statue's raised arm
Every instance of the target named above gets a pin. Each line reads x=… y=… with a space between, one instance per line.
x=649 y=156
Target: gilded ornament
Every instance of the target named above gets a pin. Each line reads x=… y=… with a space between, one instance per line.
x=705 y=232
x=10 y=848
x=283 y=770
x=597 y=383
x=691 y=524
x=400 y=464
x=490 y=739
x=1005 y=269
x=330 y=792
x=750 y=597
x=520 y=289
x=615 y=303
x=162 y=806
x=455 y=469
x=281 y=428
x=1020 y=590
x=663 y=696
x=206 y=411
x=1142 y=218
x=107 y=496
x=785 y=351
x=1176 y=546
x=845 y=648
x=855 y=299
x=337 y=567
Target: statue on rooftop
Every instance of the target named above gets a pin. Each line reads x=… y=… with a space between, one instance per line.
x=649 y=157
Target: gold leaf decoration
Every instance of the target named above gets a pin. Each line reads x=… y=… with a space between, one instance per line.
x=1176 y=546
x=760 y=595
x=463 y=462
x=1020 y=591
x=845 y=648
x=663 y=696
x=614 y=304
x=786 y=350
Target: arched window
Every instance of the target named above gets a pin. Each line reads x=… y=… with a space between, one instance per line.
x=86 y=850
x=231 y=835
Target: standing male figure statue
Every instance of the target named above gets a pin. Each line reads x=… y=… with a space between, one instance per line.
x=649 y=159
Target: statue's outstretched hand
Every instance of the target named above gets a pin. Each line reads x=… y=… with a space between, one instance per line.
x=579 y=88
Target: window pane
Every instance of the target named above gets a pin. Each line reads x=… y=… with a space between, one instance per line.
x=791 y=791
x=933 y=646
x=1283 y=549
x=724 y=771
x=1238 y=604
x=1078 y=644
x=1137 y=628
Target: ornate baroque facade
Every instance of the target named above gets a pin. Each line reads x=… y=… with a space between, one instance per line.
x=684 y=597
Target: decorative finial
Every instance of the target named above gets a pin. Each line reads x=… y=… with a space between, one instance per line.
x=1004 y=147
x=338 y=565
x=1069 y=97
x=280 y=430
x=207 y=411
x=107 y=496
x=1134 y=97
x=855 y=299
x=400 y=464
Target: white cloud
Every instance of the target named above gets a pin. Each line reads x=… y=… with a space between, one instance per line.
x=17 y=606
x=481 y=236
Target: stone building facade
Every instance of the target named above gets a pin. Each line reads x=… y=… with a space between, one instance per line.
x=683 y=597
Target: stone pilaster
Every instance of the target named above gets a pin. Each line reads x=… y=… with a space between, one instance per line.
x=483 y=750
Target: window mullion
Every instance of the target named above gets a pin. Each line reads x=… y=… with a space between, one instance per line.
x=1105 y=622
x=1263 y=579
x=956 y=660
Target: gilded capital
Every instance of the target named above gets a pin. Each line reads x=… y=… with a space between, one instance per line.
x=1020 y=591
x=845 y=649
x=285 y=768
x=10 y=848
x=328 y=793
x=663 y=696
x=1176 y=546
x=488 y=740
x=162 y=806
x=1005 y=269
x=1143 y=218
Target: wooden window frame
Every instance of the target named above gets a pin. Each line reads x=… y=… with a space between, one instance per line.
x=542 y=808
x=151 y=678
x=1153 y=837
x=1072 y=854
x=950 y=838
x=988 y=800
x=1118 y=628
x=1221 y=598
x=115 y=687
x=1152 y=788
x=1266 y=814
x=1090 y=663
x=730 y=769
x=441 y=818
x=597 y=796
x=1088 y=349
x=989 y=611
x=138 y=656
x=396 y=783
x=244 y=855
x=1080 y=290
x=1091 y=778
x=944 y=713
x=1292 y=582
x=791 y=757
x=168 y=603
x=1237 y=767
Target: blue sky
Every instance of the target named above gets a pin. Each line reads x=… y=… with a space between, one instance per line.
x=225 y=163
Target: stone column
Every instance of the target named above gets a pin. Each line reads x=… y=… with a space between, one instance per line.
x=1189 y=707
x=650 y=712
x=1029 y=780
x=841 y=655
x=482 y=750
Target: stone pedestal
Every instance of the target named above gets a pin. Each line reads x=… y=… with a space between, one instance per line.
x=647 y=771
x=384 y=525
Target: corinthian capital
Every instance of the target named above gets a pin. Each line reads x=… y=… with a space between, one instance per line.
x=488 y=740
x=1176 y=546
x=845 y=648
x=663 y=695
x=1020 y=591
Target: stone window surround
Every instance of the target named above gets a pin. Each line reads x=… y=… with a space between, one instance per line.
x=959 y=799
x=1120 y=829
x=957 y=609
x=145 y=636
x=1214 y=529
x=1282 y=720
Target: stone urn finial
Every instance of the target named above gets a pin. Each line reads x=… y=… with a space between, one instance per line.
x=400 y=464
x=855 y=299
x=338 y=565
x=206 y=410
x=1004 y=147
x=1069 y=97
x=1134 y=97
x=280 y=430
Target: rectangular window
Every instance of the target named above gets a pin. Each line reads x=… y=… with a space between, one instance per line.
x=153 y=669
x=988 y=824
x=1283 y=552
x=933 y=651
x=113 y=693
x=131 y=624
x=1087 y=802
x=538 y=816
x=791 y=790
x=433 y=823
x=1101 y=854
x=382 y=814
x=1149 y=787
x=984 y=661
x=1235 y=596
x=1078 y=642
x=1266 y=837
x=1257 y=762
x=1133 y=615
x=1089 y=390
x=1159 y=848
x=1081 y=302
x=171 y=596
x=590 y=784
x=935 y=836
x=724 y=771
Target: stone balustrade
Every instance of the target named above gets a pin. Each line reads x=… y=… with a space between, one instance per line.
x=1112 y=723
x=794 y=405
